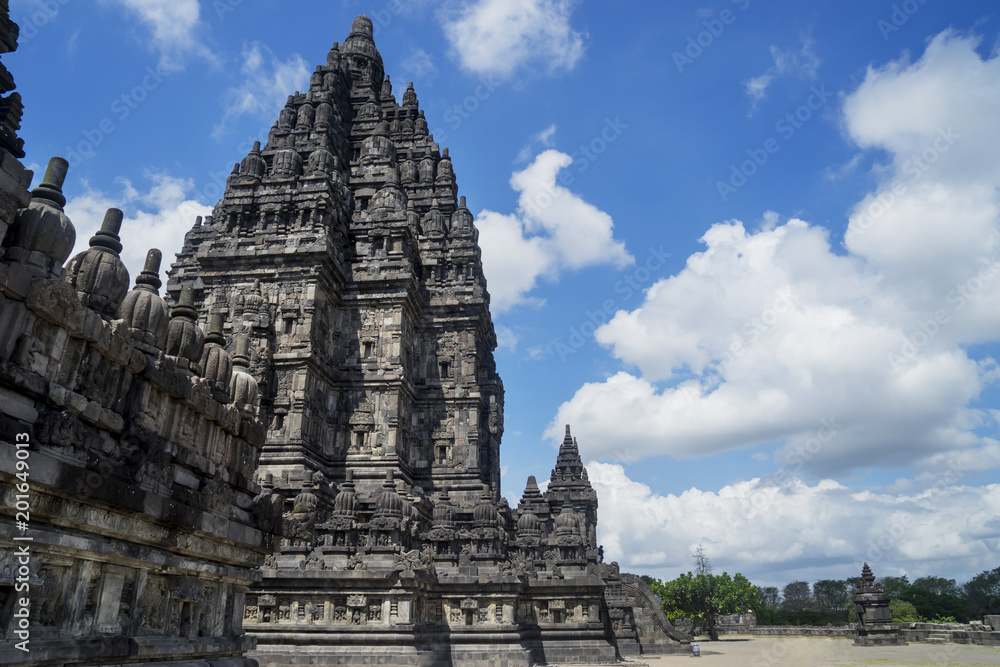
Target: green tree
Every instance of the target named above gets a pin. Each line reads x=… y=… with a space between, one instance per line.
x=830 y=594
x=797 y=595
x=707 y=596
x=769 y=597
x=983 y=592
x=894 y=585
x=902 y=611
x=937 y=597
x=937 y=585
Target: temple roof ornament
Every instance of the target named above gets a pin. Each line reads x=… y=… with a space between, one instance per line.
x=185 y=339
x=144 y=310
x=98 y=274
x=44 y=227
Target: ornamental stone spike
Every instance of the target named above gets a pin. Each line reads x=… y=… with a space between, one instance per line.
x=150 y=275
x=241 y=357
x=216 y=362
x=242 y=386
x=144 y=311
x=51 y=186
x=185 y=339
x=43 y=227
x=107 y=236
x=98 y=273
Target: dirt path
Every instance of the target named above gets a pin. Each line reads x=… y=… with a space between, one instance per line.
x=823 y=652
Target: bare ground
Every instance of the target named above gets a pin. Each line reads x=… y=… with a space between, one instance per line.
x=822 y=652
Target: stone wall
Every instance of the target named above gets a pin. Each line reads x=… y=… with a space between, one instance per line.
x=736 y=623
x=129 y=529
x=956 y=633
x=792 y=631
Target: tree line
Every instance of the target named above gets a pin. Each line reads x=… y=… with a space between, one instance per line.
x=931 y=599
x=704 y=596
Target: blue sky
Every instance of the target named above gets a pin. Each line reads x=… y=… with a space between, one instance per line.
x=747 y=250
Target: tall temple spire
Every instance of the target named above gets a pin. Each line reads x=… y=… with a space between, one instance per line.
x=569 y=466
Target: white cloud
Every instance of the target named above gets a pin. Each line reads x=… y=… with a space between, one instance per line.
x=178 y=33
x=802 y=63
x=418 y=65
x=267 y=80
x=157 y=218
x=506 y=337
x=776 y=532
x=837 y=172
x=500 y=36
x=768 y=332
x=544 y=138
x=552 y=230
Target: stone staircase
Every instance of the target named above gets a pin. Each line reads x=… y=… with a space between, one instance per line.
x=938 y=638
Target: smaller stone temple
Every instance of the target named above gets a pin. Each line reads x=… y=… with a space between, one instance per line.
x=875 y=626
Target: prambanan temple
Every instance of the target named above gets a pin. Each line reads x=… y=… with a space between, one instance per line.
x=292 y=454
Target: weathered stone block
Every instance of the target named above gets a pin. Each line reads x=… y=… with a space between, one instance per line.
x=17 y=406
x=57 y=302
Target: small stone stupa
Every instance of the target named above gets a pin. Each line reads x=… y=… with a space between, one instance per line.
x=875 y=626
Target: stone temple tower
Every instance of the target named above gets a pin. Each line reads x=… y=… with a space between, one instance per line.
x=342 y=249
x=342 y=252
x=315 y=480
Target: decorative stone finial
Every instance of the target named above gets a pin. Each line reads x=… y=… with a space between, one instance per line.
x=98 y=274
x=410 y=96
x=215 y=335
x=253 y=165
x=185 y=339
x=150 y=275
x=445 y=173
x=346 y=502
x=242 y=386
x=287 y=162
x=51 y=186
x=434 y=221
x=185 y=304
x=216 y=363
x=107 y=236
x=144 y=310
x=362 y=27
x=43 y=226
x=241 y=358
